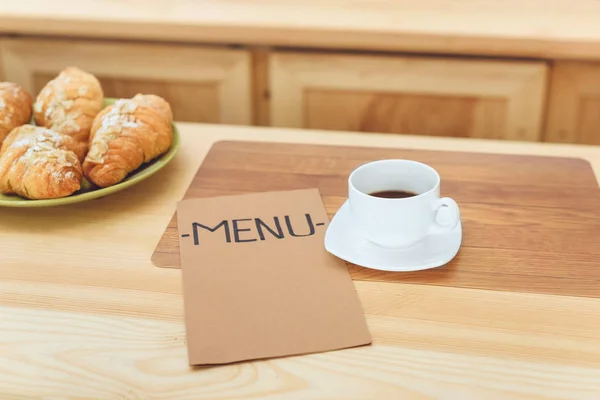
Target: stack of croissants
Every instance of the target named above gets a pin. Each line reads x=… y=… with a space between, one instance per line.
x=75 y=137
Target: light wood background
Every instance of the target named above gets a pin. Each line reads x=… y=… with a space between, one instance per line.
x=574 y=107
x=516 y=70
x=536 y=28
x=85 y=314
x=202 y=84
x=438 y=97
x=515 y=99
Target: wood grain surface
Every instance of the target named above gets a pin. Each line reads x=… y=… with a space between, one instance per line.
x=201 y=83
x=401 y=94
x=574 y=103
x=85 y=315
x=456 y=116
x=530 y=223
x=535 y=28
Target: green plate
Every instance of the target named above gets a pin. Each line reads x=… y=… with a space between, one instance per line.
x=88 y=191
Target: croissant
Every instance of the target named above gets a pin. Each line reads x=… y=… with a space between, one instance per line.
x=37 y=163
x=15 y=107
x=69 y=103
x=155 y=102
x=125 y=135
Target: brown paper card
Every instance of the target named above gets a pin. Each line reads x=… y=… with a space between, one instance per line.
x=258 y=282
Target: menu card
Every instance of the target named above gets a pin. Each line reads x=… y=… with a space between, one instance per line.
x=258 y=282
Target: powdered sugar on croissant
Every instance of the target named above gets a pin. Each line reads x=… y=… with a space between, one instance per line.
x=37 y=163
x=69 y=103
x=125 y=135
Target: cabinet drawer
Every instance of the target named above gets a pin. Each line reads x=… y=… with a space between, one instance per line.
x=411 y=95
x=574 y=106
x=202 y=84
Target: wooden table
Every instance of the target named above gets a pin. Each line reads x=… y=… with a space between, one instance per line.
x=84 y=313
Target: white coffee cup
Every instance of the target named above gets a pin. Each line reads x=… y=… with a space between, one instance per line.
x=399 y=222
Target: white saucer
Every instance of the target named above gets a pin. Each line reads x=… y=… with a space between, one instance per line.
x=343 y=240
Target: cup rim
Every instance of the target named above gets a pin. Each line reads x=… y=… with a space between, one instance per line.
x=393 y=160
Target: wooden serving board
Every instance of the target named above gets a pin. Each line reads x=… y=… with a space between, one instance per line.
x=530 y=223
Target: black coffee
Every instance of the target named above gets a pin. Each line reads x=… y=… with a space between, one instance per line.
x=393 y=194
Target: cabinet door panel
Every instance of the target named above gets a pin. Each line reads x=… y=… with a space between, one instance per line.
x=202 y=84
x=574 y=106
x=436 y=97
x=419 y=114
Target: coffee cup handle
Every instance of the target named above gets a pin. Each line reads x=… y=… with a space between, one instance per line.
x=455 y=212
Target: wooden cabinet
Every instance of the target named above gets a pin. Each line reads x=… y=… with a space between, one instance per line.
x=203 y=84
x=574 y=104
x=412 y=95
x=396 y=93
